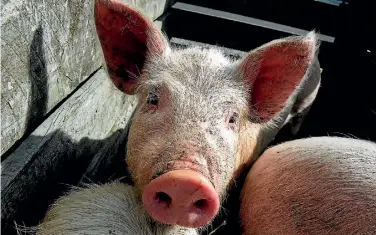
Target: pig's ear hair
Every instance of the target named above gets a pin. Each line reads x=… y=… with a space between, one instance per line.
x=128 y=40
x=274 y=72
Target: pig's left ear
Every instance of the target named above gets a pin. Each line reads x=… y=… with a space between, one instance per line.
x=274 y=71
x=128 y=40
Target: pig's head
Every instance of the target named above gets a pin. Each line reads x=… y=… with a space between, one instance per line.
x=200 y=115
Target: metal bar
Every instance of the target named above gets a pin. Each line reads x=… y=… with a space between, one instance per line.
x=246 y=20
x=226 y=50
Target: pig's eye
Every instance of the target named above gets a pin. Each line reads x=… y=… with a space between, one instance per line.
x=233 y=121
x=234 y=118
x=152 y=99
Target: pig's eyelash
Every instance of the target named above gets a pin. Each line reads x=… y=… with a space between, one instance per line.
x=133 y=75
x=24 y=230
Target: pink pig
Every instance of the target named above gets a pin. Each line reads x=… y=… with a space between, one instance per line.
x=201 y=117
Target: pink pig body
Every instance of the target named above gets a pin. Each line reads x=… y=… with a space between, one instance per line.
x=318 y=185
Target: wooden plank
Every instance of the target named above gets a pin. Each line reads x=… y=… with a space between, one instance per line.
x=48 y=49
x=91 y=124
x=151 y=8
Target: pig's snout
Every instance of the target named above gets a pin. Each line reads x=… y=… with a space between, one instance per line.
x=181 y=197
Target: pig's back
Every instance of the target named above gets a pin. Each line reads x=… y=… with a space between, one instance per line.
x=107 y=209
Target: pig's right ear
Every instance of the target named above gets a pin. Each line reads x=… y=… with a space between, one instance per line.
x=127 y=38
x=275 y=71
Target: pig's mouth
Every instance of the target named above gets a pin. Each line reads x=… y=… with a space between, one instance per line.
x=173 y=165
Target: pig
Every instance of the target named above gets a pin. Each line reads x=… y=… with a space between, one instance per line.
x=318 y=185
x=201 y=117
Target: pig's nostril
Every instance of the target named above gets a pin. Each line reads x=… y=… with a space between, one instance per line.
x=200 y=204
x=181 y=197
x=164 y=198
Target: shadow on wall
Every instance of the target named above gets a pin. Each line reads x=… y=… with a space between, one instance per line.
x=38 y=100
x=38 y=80
x=61 y=162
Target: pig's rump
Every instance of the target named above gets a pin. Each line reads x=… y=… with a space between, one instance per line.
x=321 y=185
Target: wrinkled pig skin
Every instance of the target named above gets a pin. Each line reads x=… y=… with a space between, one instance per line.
x=201 y=117
x=318 y=185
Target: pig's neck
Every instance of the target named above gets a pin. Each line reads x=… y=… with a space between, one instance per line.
x=249 y=147
x=253 y=139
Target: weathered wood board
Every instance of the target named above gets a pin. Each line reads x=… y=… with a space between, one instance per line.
x=61 y=148
x=48 y=48
x=84 y=137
